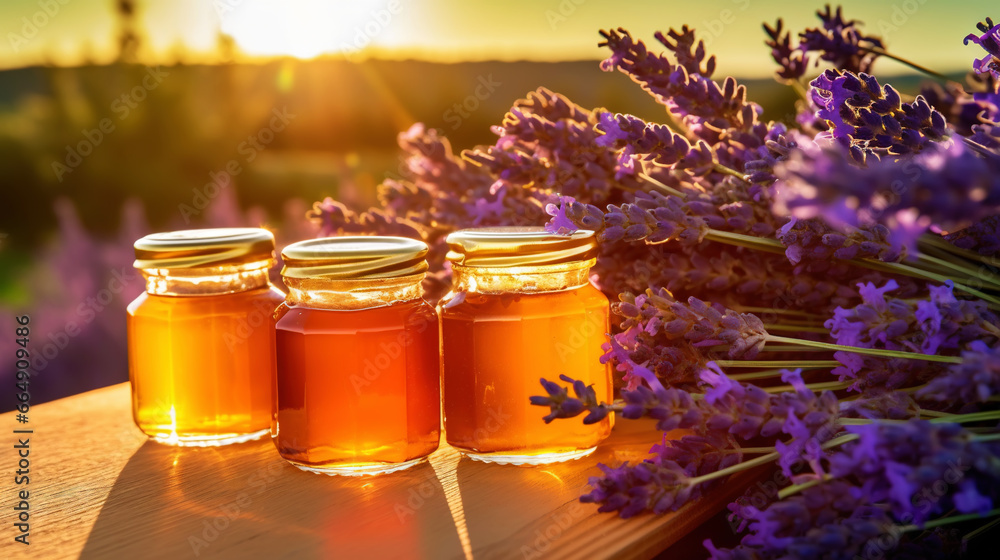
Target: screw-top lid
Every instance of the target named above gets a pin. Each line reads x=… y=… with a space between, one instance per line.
x=196 y=248
x=503 y=247
x=355 y=258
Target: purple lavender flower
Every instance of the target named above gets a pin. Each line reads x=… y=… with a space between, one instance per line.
x=962 y=109
x=637 y=140
x=690 y=55
x=840 y=42
x=662 y=483
x=832 y=520
x=904 y=464
x=793 y=61
x=653 y=218
x=718 y=114
x=550 y=144
x=989 y=40
x=564 y=406
x=982 y=237
x=811 y=240
x=947 y=184
x=876 y=403
x=940 y=322
x=872 y=119
x=975 y=380
x=658 y=320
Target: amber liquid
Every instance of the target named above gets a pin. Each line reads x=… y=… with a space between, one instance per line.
x=201 y=366
x=357 y=390
x=496 y=347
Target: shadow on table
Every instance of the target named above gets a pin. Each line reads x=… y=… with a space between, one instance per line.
x=520 y=512
x=244 y=501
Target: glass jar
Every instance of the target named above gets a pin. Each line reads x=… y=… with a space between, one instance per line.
x=521 y=308
x=200 y=340
x=357 y=385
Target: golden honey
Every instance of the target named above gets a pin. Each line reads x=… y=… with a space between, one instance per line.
x=357 y=380
x=200 y=339
x=522 y=308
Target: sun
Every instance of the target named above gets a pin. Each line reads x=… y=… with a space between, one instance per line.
x=306 y=28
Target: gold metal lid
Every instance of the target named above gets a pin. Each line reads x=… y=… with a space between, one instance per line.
x=355 y=258
x=503 y=247
x=195 y=248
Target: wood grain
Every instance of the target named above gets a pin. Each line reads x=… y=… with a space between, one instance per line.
x=100 y=489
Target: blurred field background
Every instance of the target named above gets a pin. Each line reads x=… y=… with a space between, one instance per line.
x=120 y=118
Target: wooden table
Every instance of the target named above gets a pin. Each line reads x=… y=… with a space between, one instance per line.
x=100 y=489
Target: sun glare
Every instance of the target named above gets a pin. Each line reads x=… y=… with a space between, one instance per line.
x=306 y=28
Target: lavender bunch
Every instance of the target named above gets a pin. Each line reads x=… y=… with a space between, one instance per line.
x=672 y=478
x=898 y=464
x=928 y=325
x=887 y=480
x=717 y=114
x=828 y=521
x=552 y=145
x=941 y=322
x=715 y=214
x=896 y=202
x=680 y=471
x=838 y=41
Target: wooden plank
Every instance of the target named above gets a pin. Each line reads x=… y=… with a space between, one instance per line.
x=99 y=489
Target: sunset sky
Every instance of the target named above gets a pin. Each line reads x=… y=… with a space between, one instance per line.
x=928 y=31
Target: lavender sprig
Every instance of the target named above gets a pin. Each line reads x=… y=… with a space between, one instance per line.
x=989 y=40
x=975 y=380
x=872 y=120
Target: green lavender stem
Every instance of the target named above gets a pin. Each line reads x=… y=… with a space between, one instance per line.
x=788 y=364
x=949 y=419
x=775 y=246
x=824 y=386
x=911 y=64
x=868 y=351
x=763 y=374
x=660 y=185
x=935 y=241
x=762 y=460
x=798 y=328
x=776 y=311
x=951 y=519
x=989 y=279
